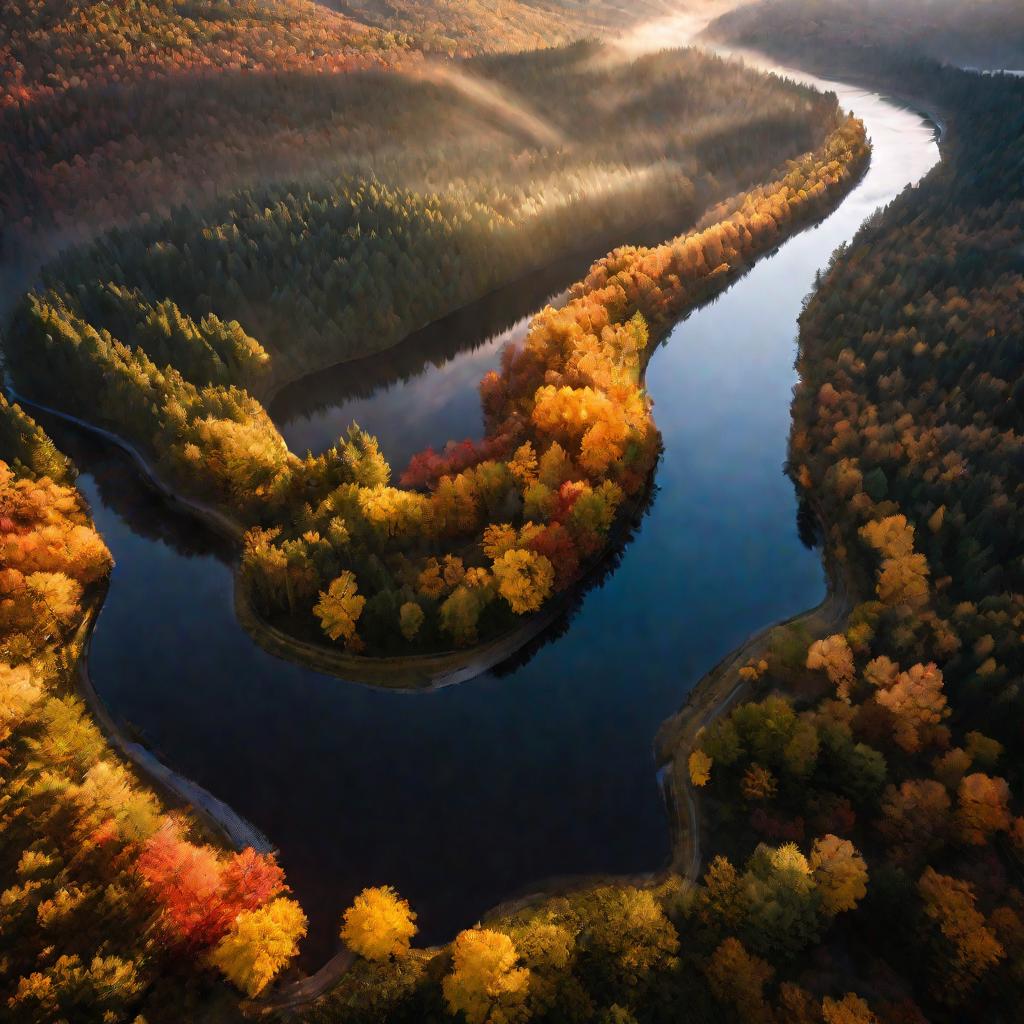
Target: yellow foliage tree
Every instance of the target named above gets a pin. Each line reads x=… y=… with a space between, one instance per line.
x=379 y=924
x=904 y=581
x=339 y=608
x=700 y=767
x=983 y=808
x=891 y=537
x=410 y=617
x=485 y=984
x=56 y=596
x=524 y=579
x=839 y=872
x=917 y=700
x=903 y=577
x=523 y=465
x=499 y=538
x=430 y=582
x=454 y=571
x=833 y=654
x=850 y=1009
x=881 y=672
x=18 y=694
x=259 y=944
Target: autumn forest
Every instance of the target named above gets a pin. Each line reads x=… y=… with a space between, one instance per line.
x=674 y=675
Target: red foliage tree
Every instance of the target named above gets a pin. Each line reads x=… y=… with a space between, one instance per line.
x=198 y=893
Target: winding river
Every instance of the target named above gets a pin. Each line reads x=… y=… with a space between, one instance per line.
x=465 y=796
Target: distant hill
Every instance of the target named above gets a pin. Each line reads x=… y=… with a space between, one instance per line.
x=982 y=33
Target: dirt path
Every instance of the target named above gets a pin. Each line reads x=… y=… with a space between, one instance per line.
x=299 y=994
x=715 y=693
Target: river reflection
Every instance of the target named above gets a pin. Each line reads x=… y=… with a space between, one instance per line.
x=424 y=392
x=464 y=796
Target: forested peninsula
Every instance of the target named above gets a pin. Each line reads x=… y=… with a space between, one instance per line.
x=491 y=529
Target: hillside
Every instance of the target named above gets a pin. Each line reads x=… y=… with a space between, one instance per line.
x=983 y=34
x=110 y=108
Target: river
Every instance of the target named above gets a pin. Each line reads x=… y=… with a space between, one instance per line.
x=465 y=796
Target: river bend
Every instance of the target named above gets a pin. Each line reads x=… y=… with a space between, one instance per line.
x=465 y=796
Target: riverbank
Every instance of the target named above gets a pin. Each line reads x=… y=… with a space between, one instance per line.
x=223 y=824
x=407 y=673
x=213 y=517
x=721 y=688
x=716 y=692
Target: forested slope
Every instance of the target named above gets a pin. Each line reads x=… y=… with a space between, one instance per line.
x=111 y=108
x=984 y=34
x=451 y=199
x=460 y=27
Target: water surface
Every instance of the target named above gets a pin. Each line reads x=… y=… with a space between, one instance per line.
x=462 y=797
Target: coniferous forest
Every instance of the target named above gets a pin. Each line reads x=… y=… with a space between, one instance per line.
x=204 y=202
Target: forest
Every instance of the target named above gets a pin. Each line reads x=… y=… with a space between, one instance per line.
x=859 y=801
x=487 y=531
x=989 y=34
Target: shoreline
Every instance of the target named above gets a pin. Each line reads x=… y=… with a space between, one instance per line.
x=416 y=673
x=714 y=693
x=221 y=821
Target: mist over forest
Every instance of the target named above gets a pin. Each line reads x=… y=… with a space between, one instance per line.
x=676 y=674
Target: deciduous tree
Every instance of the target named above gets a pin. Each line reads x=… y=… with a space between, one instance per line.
x=259 y=944
x=833 y=654
x=963 y=947
x=379 y=925
x=486 y=983
x=850 y=1009
x=699 y=765
x=737 y=979
x=983 y=807
x=840 y=873
x=524 y=579
x=339 y=609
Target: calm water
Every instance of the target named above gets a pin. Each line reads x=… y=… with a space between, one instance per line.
x=463 y=797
